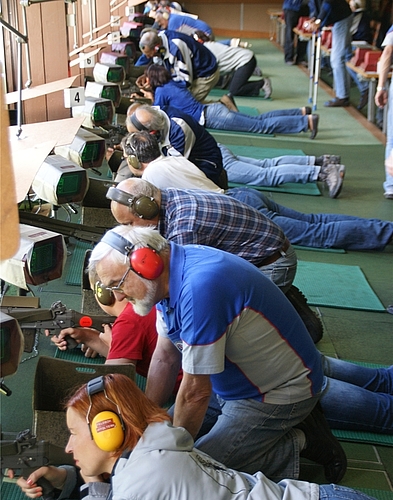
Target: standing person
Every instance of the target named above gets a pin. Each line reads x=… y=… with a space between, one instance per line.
x=293 y=10
x=339 y=14
x=383 y=97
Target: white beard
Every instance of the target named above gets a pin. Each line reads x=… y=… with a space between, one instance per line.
x=145 y=305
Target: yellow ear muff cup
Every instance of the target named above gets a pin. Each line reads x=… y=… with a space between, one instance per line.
x=107 y=431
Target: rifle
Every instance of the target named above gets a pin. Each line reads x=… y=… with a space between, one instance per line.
x=77 y=231
x=57 y=318
x=23 y=453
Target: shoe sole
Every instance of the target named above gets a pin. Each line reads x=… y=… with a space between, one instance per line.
x=335 y=193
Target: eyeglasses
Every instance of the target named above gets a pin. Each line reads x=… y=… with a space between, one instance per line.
x=118 y=287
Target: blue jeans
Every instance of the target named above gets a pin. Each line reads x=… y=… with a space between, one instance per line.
x=388 y=184
x=251 y=436
x=283 y=270
x=320 y=230
x=269 y=171
x=336 y=492
x=362 y=85
x=358 y=398
x=341 y=48
x=285 y=121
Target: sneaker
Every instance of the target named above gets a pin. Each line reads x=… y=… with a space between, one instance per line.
x=310 y=319
x=257 y=71
x=228 y=101
x=388 y=195
x=333 y=175
x=322 y=447
x=267 y=87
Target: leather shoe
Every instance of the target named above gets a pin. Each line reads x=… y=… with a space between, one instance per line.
x=363 y=100
x=333 y=175
x=314 y=126
x=322 y=447
x=337 y=103
x=310 y=319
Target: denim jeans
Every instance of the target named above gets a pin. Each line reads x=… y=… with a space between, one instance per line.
x=285 y=121
x=269 y=171
x=358 y=398
x=282 y=271
x=388 y=184
x=251 y=436
x=320 y=230
x=362 y=85
x=341 y=48
x=337 y=492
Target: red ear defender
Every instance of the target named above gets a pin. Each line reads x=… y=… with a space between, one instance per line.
x=147 y=263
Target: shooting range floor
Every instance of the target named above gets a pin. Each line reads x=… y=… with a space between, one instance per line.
x=363 y=336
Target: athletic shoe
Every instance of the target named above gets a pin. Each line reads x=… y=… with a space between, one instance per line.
x=267 y=87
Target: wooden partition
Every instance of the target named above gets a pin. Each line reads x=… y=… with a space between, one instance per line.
x=233 y=18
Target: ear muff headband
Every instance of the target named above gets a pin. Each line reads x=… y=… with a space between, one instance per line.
x=137 y=124
x=144 y=261
x=107 y=427
x=144 y=206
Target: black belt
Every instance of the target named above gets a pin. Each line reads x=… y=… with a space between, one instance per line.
x=275 y=256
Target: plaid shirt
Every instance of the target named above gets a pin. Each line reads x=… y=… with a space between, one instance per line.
x=189 y=216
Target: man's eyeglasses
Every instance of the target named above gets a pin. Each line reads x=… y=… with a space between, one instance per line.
x=118 y=287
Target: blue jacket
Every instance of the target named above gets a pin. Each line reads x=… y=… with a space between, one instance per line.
x=204 y=153
x=329 y=11
x=185 y=58
x=292 y=5
x=176 y=21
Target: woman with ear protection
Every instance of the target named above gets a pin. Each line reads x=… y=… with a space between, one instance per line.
x=167 y=92
x=115 y=429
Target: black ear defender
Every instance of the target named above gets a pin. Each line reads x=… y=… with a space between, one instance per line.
x=137 y=124
x=143 y=261
x=107 y=427
x=144 y=206
x=132 y=158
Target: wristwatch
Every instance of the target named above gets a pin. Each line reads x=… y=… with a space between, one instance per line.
x=380 y=88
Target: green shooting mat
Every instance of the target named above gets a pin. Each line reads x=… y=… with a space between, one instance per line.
x=335 y=285
x=74 y=274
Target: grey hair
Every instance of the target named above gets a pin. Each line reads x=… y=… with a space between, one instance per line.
x=156 y=120
x=137 y=236
x=149 y=39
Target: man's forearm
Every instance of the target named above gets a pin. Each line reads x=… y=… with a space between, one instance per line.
x=161 y=381
x=192 y=402
x=190 y=414
x=385 y=64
